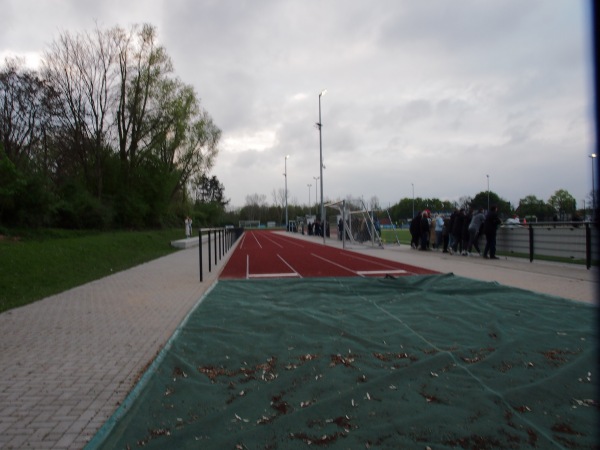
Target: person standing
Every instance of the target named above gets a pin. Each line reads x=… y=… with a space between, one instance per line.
x=474 y=229
x=457 y=227
x=490 y=226
x=439 y=228
x=425 y=226
x=188 y=227
x=415 y=230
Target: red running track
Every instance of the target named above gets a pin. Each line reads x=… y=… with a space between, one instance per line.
x=267 y=254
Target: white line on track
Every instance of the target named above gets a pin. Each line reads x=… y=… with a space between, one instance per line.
x=287 y=264
x=255 y=238
x=274 y=275
x=381 y=272
x=274 y=242
x=336 y=264
x=292 y=274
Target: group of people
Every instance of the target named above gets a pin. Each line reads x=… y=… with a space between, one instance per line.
x=316 y=228
x=457 y=233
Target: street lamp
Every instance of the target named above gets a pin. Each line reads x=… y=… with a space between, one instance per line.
x=488 y=181
x=309 y=207
x=286 y=196
x=320 y=125
x=593 y=156
x=316 y=187
x=413 y=189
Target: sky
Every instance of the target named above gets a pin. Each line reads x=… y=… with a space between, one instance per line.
x=436 y=99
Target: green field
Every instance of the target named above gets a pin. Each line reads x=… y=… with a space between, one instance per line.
x=36 y=265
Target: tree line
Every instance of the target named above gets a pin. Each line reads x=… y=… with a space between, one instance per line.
x=103 y=134
x=561 y=205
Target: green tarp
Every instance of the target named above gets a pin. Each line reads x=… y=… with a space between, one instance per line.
x=414 y=362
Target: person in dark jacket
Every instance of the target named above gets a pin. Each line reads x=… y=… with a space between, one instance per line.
x=415 y=230
x=490 y=226
x=457 y=227
x=425 y=225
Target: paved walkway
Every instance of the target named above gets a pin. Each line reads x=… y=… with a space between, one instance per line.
x=68 y=361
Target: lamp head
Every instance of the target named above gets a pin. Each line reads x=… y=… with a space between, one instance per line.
x=323 y=92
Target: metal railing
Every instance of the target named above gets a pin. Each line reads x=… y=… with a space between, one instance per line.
x=219 y=241
x=569 y=240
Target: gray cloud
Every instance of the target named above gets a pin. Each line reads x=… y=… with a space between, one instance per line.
x=434 y=93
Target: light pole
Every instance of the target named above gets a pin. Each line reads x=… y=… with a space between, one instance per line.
x=488 y=182
x=309 y=207
x=413 y=189
x=320 y=124
x=593 y=156
x=286 y=202
x=316 y=187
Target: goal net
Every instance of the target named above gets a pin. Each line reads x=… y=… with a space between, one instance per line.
x=360 y=224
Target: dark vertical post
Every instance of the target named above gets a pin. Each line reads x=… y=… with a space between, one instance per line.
x=215 y=248
x=209 y=258
x=200 y=252
x=220 y=244
x=588 y=246
x=530 y=243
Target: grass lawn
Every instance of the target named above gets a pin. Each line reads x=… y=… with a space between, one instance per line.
x=36 y=265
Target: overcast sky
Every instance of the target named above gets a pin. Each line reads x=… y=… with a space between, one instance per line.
x=438 y=94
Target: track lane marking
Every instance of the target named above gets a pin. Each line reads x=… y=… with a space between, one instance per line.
x=338 y=265
x=256 y=239
x=287 y=264
x=382 y=272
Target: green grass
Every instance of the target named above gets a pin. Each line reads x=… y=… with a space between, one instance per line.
x=392 y=236
x=36 y=265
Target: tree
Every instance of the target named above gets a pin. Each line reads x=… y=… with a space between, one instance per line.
x=530 y=205
x=81 y=69
x=481 y=201
x=563 y=204
x=26 y=108
x=255 y=205
x=209 y=190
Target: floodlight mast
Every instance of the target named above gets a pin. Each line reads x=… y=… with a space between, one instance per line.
x=320 y=125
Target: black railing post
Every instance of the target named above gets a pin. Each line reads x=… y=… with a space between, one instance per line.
x=530 y=243
x=215 y=248
x=209 y=257
x=588 y=246
x=220 y=244
x=200 y=252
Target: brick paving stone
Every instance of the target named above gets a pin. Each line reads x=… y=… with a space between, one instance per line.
x=68 y=361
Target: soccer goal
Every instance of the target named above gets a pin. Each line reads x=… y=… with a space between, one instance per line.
x=360 y=224
x=249 y=223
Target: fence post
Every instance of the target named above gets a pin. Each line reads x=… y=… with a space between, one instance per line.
x=588 y=246
x=220 y=244
x=200 y=252
x=215 y=248
x=530 y=243
x=209 y=257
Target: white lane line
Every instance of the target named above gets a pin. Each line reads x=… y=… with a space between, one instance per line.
x=292 y=274
x=287 y=264
x=336 y=264
x=274 y=275
x=377 y=263
x=256 y=239
x=381 y=272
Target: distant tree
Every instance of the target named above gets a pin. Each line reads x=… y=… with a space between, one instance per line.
x=209 y=190
x=481 y=201
x=256 y=205
x=533 y=206
x=563 y=204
